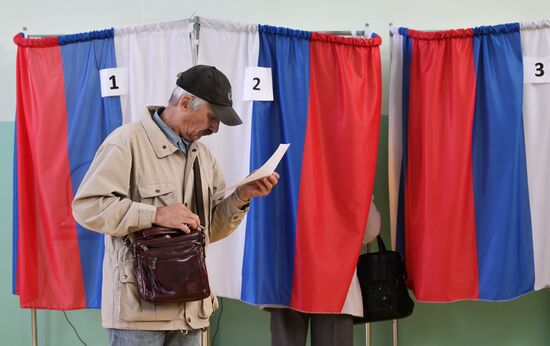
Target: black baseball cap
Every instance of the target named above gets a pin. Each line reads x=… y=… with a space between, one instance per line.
x=211 y=85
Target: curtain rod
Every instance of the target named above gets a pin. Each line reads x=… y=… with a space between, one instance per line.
x=348 y=32
x=391 y=32
x=196 y=20
x=345 y=33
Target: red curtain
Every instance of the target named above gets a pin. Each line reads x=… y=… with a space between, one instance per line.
x=49 y=273
x=339 y=164
x=439 y=178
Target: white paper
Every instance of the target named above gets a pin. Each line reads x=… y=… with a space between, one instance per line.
x=114 y=81
x=258 y=84
x=536 y=70
x=267 y=168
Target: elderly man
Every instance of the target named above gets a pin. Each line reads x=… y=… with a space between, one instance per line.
x=142 y=175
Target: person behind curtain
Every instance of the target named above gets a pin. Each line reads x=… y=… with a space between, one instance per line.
x=142 y=175
x=289 y=327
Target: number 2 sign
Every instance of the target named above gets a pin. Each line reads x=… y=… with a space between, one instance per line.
x=258 y=84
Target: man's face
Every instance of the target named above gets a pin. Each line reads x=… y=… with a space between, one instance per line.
x=200 y=122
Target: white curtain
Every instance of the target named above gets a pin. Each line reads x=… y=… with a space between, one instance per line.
x=154 y=54
x=395 y=125
x=231 y=47
x=535 y=41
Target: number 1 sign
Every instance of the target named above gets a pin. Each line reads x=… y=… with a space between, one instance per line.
x=114 y=81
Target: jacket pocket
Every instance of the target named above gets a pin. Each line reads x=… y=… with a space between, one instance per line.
x=157 y=194
x=132 y=307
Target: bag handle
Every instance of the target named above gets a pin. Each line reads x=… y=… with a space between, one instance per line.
x=198 y=191
x=381 y=246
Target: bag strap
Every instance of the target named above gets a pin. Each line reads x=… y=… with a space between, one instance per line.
x=381 y=246
x=198 y=191
x=199 y=202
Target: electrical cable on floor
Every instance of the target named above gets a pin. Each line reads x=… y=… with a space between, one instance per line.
x=75 y=331
x=218 y=323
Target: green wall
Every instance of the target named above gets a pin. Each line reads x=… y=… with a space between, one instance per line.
x=15 y=323
x=522 y=322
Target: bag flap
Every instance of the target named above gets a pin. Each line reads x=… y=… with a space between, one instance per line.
x=159 y=231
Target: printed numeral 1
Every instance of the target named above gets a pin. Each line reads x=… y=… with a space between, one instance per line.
x=113 y=79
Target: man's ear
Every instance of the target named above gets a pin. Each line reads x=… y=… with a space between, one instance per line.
x=185 y=102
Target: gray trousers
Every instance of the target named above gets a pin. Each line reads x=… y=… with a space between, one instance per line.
x=121 y=337
x=289 y=328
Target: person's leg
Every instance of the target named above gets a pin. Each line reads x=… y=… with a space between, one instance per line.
x=331 y=330
x=178 y=338
x=288 y=327
x=121 y=337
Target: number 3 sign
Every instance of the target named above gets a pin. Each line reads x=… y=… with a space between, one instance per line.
x=258 y=85
x=536 y=70
x=114 y=81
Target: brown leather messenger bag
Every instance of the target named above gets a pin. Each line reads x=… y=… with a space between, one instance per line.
x=170 y=265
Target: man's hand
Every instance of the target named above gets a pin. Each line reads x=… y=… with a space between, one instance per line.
x=260 y=187
x=177 y=216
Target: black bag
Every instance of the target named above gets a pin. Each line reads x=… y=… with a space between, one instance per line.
x=382 y=278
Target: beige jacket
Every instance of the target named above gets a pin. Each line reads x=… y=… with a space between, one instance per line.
x=135 y=170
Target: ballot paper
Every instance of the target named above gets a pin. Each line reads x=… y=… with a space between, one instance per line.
x=267 y=168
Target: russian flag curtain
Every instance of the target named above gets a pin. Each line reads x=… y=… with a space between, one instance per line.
x=61 y=121
x=459 y=178
x=297 y=248
x=302 y=243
